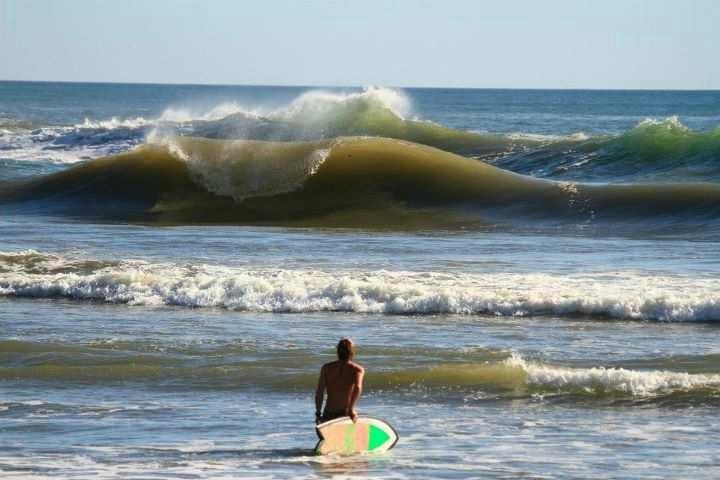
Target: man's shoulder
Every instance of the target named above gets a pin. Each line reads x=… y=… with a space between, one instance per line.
x=357 y=367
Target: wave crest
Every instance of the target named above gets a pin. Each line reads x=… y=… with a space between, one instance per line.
x=609 y=380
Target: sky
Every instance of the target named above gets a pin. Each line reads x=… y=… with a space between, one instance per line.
x=613 y=44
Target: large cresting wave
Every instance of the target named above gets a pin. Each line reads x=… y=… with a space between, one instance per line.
x=654 y=150
x=347 y=181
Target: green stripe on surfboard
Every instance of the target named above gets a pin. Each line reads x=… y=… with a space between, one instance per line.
x=378 y=437
x=349 y=439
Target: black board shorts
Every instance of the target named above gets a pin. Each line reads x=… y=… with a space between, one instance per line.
x=327 y=416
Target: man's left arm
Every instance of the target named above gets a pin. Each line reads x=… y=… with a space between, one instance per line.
x=320 y=395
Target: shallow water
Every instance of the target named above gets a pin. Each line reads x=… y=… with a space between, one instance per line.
x=167 y=423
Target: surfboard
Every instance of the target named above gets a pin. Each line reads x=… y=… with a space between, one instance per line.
x=368 y=434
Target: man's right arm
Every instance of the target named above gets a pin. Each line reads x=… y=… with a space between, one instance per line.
x=356 y=392
x=320 y=395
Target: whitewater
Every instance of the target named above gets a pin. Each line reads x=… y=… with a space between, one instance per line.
x=614 y=294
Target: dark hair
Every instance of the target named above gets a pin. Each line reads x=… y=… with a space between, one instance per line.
x=345 y=349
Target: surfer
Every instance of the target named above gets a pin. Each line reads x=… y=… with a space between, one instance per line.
x=343 y=381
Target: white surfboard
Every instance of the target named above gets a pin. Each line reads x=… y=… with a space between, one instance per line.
x=342 y=436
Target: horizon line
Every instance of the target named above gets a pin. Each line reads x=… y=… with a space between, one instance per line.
x=277 y=85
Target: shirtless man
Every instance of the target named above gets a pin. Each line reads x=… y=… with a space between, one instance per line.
x=343 y=381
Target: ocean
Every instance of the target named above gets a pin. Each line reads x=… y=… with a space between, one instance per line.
x=531 y=278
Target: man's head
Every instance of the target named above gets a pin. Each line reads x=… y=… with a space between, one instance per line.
x=345 y=349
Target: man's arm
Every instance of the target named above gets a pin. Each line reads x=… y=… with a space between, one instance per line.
x=320 y=395
x=355 y=393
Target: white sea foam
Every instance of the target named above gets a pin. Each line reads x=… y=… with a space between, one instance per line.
x=115 y=123
x=548 y=138
x=216 y=112
x=634 y=382
x=626 y=295
x=671 y=124
x=319 y=104
x=38 y=153
x=310 y=107
x=66 y=144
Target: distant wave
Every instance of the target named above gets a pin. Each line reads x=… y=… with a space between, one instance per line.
x=68 y=144
x=654 y=149
x=622 y=295
x=9 y=126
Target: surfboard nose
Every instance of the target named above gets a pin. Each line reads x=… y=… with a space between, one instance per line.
x=378 y=438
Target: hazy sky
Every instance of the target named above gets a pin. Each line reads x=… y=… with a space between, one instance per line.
x=473 y=43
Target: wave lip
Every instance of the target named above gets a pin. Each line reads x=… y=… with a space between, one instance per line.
x=321 y=115
x=621 y=295
x=241 y=169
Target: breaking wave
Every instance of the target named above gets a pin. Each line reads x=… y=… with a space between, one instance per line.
x=621 y=295
x=68 y=144
x=357 y=159
x=354 y=182
x=656 y=149
x=612 y=379
x=319 y=115
x=469 y=375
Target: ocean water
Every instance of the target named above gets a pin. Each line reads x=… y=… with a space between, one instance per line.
x=531 y=278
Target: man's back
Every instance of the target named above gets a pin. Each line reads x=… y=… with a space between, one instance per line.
x=341 y=378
